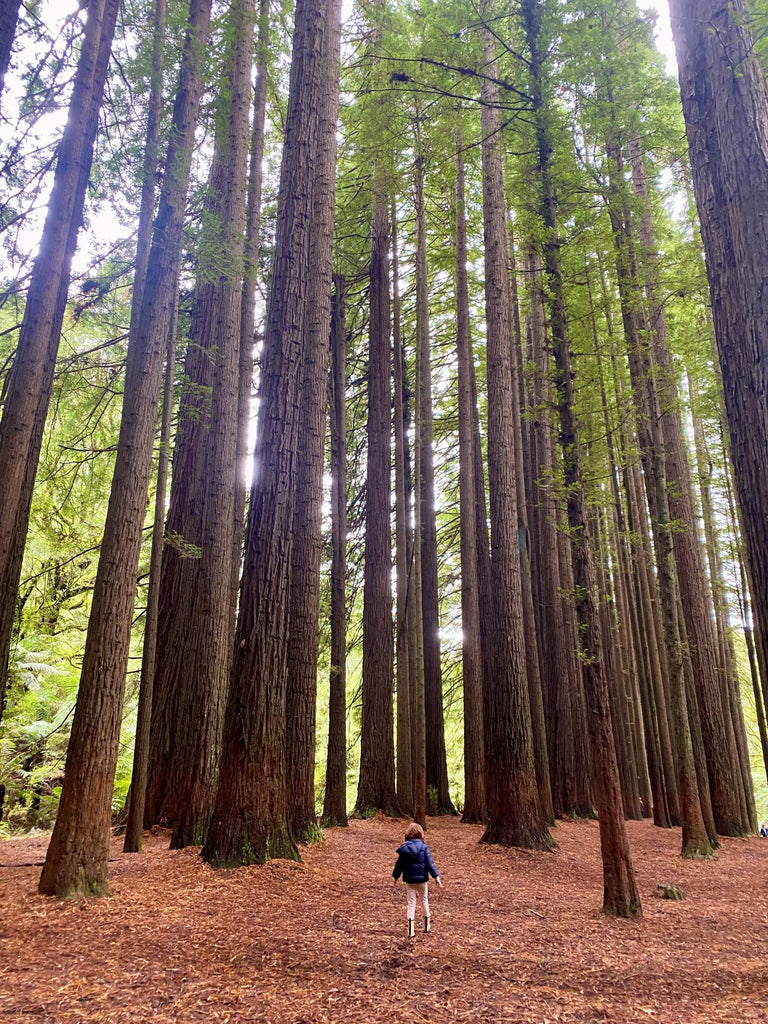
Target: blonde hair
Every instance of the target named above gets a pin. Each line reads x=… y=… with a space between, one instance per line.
x=415 y=831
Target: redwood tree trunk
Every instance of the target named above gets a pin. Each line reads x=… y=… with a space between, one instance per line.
x=725 y=103
x=553 y=651
x=248 y=303
x=195 y=636
x=28 y=386
x=620 y=894
x=437 y=766
x=402 y=563
x=514 y=809
x=9 y=14
x=335 y=803
x=76 y=862
x=376 y=788
x=304 y=599
x=137 y=797
x=532 y=661
x=250 y=819
x=472 y=662
x=720 y=742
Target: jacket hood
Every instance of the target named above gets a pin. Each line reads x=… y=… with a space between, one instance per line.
x=411 y=846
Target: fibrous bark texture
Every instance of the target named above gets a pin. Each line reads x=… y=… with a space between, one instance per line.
x=76 y=862
x=250 y=821
x=472 y=663
x=376 y=789
x=335 y=803
x=304 y=601
x=194 y=641
x=620 y=894
x=725 y=103
x=28 y=389
x=514 y=809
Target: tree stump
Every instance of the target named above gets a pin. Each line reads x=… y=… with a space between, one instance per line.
x=669 y=891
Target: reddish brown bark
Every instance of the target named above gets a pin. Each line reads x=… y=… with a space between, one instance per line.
x=248 y=303
x=28 y=386
x=402 y=563
x=194 y=640
x=472 y=663
x=725 y=103
x=532 y=663
x=718 y=734
x=548 y=604
x=620 y=894
x=335 y=802
x=437 y=767
x=514 y=809
x=138 y=791
x=376 y=789
x=304 y=599
x=76 y=861
x=250 y=821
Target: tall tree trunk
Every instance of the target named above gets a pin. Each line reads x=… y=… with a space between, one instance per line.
x=335 y=803
x=653 y=451
x=725 y=103
x=650 y=772
x=402 y=563
x=376 y=789
x=415 y=623
x=304 y=599
x=138 y=791
x=532 y=663
x=418 y=689
x=194 y=640
x=437 y=765
x=719 y=739
x=549 y=607
x=620 y=894
x=248 y=303
x=727 y=655
x=642 y=582
x=76 y=862
x=472 y=662
x=514 y=809
x=133 y=831
x=9 y=14
x=28 y=386
x=250 y=819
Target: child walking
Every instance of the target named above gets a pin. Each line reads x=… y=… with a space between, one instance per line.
x=415 y=864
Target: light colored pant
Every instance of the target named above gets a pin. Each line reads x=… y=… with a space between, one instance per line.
x=414 y=893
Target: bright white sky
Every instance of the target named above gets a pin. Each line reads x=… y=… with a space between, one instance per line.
x=663 y=31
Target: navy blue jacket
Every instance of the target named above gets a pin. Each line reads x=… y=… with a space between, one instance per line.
x=414 y=862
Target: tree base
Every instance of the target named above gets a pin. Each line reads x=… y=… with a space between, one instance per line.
x=249 y=847
x=190 y=831
x=72 y=879
x=525 y=839
x=308 y=834
x=470 y=817
x=628 y=909
x=370 y=812
x=700 y=849
x=334 y=822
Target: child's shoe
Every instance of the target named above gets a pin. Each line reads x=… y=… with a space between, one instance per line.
x=411 y=929
x=427 y=924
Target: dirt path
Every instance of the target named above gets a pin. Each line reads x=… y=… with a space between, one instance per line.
x=517 y=937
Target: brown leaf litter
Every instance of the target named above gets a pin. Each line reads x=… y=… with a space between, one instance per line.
x=517 y=936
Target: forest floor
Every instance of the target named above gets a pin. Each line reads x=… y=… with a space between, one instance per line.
x=517 y=936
